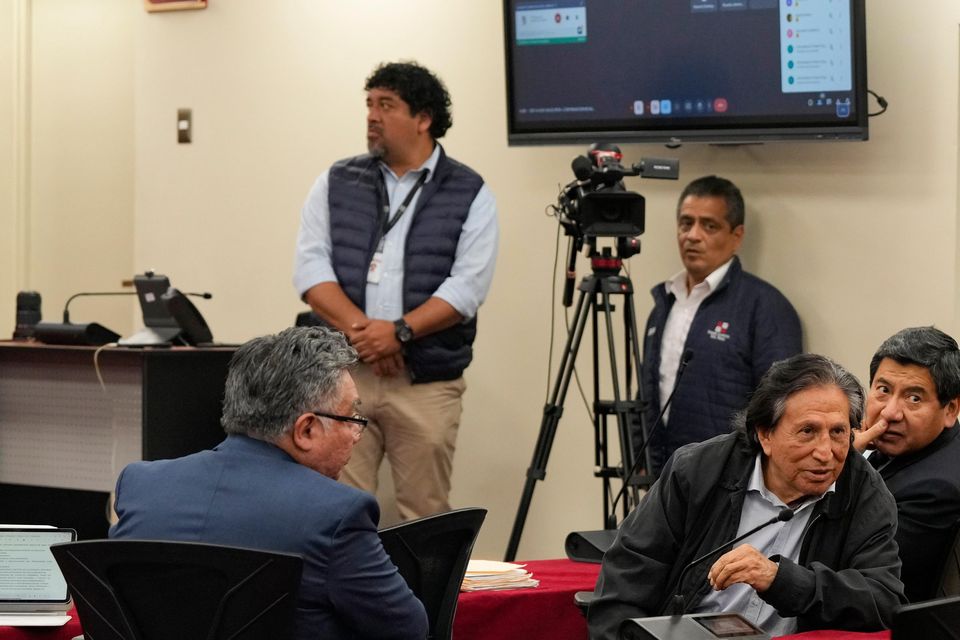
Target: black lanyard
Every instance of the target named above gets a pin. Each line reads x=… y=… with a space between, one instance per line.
x=387 y=223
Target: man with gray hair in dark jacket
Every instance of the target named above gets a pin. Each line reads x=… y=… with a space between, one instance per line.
x=832 y=565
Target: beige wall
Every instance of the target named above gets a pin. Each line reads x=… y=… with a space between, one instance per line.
x=81 y=151
x=10 y=147
x=861 y=236
x=70 y=187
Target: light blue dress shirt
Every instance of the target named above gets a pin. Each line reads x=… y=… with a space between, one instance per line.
x=464 y=289
x=784 y=538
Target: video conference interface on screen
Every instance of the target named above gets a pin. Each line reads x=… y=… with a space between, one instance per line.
x=670 y=60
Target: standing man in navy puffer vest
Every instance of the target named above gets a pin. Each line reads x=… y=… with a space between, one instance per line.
x=736 y=324
x=397 y=249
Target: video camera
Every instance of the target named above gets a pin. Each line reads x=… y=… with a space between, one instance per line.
x=597 y=204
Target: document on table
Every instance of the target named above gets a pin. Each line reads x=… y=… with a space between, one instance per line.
x=483 y=575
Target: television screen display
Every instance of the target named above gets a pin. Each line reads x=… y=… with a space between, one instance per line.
x=685 y=70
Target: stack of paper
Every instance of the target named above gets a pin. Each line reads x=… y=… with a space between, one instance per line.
x=489 y=574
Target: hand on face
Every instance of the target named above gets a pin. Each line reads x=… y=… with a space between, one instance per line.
x=743 y=565
x=865 y=438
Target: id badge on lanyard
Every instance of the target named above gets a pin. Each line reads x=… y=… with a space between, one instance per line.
x=375 y=272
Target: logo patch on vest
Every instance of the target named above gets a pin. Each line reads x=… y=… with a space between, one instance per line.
x=720 y=331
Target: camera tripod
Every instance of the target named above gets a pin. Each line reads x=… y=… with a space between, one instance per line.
x=596 y=291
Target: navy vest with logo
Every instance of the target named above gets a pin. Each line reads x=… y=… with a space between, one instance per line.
x=431 y=245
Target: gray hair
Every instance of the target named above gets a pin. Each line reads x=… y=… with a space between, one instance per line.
x=927 y=347
x=274 y=379
x=717 y=187
x=787 y=377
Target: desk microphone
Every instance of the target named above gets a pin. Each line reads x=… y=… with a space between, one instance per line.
x=89 y=333
x=66 y=307
x=684 y=361
x=679 y=604
x=66 y=313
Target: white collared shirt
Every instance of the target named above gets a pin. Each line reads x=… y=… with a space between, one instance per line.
x=678 y=323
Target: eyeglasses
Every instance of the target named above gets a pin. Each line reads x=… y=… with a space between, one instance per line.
x=356 y=419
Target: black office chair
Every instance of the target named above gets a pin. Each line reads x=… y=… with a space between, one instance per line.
x=149 y=590
x=930 y=620
x=431 y=554
x=949 y=584
x=308 y=319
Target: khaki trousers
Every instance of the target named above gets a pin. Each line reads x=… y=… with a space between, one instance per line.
x=415 y=425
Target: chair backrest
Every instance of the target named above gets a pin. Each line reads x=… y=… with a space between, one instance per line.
x=950 y=576
x=431 y=554
x=151 y=590
x=307 y=319
x=930 y=620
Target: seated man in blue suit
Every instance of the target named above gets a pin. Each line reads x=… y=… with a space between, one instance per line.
x=290 y=413
x=912 y=416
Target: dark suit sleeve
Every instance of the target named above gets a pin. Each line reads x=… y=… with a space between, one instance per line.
x=369 y=595
x=777 y=333
x=929 y=510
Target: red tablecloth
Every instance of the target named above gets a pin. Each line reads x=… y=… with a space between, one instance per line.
x=545 y=612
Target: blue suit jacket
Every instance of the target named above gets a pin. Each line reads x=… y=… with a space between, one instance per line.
x=249 y=493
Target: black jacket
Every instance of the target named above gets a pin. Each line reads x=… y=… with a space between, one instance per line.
x=848 y=575
x=926 y=486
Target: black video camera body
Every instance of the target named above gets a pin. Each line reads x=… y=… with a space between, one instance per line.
x=597 y=204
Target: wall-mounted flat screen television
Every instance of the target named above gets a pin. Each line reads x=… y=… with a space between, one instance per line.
x=680 y=71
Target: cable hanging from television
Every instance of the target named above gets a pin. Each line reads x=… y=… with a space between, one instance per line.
x=880 y=101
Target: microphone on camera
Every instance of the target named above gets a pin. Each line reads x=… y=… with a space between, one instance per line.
x=684 y=361
x=679 y=603
x=582 y=168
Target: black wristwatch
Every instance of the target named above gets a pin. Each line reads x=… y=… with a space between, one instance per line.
x=403 y=331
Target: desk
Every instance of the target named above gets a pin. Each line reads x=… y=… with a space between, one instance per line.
x=64 y=439
x=546 y=612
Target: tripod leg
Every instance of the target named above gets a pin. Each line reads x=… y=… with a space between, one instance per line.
x=548 y=426
x=636 y=416
x=622 y=408
x=630 y=318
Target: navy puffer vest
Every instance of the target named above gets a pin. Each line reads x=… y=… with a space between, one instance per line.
x=431 y=245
